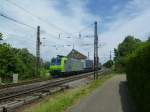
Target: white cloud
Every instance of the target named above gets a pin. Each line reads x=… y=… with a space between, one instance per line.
x=127 y=24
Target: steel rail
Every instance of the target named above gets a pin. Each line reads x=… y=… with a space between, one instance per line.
x=21 y=83
x=45 y=86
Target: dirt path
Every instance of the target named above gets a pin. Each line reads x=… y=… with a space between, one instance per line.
x=111 y=97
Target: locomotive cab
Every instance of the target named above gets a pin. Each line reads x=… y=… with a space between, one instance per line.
x=57 y=65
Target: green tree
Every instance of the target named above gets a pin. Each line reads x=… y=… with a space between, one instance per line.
x=1 y=37
x=8 y=61
x=148 y=40
x=46 y=65
x=125 y=48
x=108 y=64
x=138 y=76
x=13 y=60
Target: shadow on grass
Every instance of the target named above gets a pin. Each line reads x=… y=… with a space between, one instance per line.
x=127 y=104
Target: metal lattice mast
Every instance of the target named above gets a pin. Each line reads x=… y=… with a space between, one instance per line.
x=96 y=60
x=38 y=52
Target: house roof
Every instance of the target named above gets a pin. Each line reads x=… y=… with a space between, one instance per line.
x=76 y=55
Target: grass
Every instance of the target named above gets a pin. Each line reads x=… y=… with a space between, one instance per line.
x=44 y=74
x=61 y=101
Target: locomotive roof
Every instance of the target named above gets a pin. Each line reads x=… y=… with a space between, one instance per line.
x=76 y=55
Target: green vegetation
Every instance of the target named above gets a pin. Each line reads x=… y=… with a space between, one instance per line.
x=138 y=76
x=125 y=48
x=14 y=60
x=133 y=57
x=44 y=73
x=1 y=36
x=108 y=64
x=61 y=101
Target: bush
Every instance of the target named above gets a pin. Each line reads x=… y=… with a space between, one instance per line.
x=44 y=74
x=128 y=46
x=138 y=76
x=108 y=64
x=13 y=60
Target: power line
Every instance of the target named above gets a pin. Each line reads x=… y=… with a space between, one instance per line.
x=86 y=27
x=21 y=23
x=16 y=21
x=43 y=20
x=56 y=37
x=22 y=39
x=39 y=18
x=81 y=30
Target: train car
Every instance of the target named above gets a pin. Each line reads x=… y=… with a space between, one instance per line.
x=73 y=66
x=88 y=65
x=63 y=66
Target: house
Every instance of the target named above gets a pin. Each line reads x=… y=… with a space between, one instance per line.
x=76 y=55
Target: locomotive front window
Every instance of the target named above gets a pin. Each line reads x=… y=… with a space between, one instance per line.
x=56 y=61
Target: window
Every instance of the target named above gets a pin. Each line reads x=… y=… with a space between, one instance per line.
x=56 y=61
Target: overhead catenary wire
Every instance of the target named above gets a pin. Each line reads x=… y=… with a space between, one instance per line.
x=19 y=22
x=16 y=21
x=41 y=19
x=22 y=23
x=25 y=40
x=85 y=28
x=79 y=33
x=38 y=17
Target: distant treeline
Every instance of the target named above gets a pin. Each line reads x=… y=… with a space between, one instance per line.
x=133 y=57
x=14 y=60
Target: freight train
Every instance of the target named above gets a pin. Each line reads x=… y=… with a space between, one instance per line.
x=64 y=66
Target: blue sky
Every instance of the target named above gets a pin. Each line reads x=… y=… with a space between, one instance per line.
x=116 y=19
x=106 y=8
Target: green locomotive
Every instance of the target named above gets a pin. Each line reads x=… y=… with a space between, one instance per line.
x=57 y=65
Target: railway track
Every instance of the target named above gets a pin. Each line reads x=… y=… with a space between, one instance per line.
x=21 y=83
x=11 y=93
